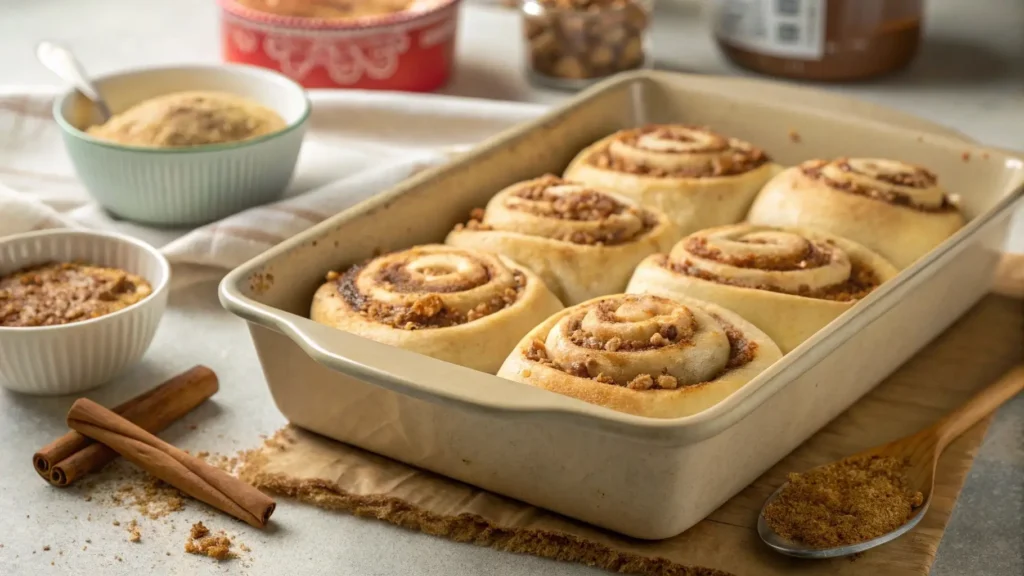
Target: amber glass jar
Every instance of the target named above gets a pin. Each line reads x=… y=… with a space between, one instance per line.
x=829 y=40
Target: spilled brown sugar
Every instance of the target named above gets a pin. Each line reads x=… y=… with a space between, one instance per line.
x=850 y=501
x=202 y=543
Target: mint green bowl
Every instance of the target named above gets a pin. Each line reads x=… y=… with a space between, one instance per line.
x=185 y=186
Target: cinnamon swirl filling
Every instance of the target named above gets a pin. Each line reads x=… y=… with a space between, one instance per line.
x=777 y=260
x=425 y=288
x=551 y=207
x=889 y=181
x=678 y=151
x=643 y=342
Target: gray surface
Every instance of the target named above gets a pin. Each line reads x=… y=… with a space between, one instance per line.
x=970 y=75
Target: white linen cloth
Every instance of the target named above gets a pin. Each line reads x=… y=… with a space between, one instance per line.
x=358 y=144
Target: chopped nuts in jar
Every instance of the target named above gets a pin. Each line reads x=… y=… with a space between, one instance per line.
x=573 y=41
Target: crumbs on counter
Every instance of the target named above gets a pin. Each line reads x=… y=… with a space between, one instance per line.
x=202 y=543
x=134 y=532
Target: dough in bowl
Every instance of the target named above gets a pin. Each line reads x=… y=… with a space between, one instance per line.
x=462 y=306
x=696 y=177
x=643 y=354
x=581 y=241
x=894 y=208
x=789 y=282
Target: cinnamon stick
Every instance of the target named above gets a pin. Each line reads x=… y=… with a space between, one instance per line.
x=175 y=467
x=74 y=455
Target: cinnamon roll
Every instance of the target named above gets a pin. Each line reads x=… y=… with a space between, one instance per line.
x=582 y=242
x=461 y=306
x=696 y=177
x=643 y=354
x=789 y=282
x=894 y=208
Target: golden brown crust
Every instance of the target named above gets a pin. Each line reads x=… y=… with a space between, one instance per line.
x=62 y=293
x=643 y=354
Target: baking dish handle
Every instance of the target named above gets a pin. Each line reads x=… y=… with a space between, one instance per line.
x=410 y=373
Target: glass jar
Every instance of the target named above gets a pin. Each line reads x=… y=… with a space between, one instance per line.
x=571 y=44
x=823 y=40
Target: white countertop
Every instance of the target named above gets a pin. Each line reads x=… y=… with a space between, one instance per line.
x=969 y=75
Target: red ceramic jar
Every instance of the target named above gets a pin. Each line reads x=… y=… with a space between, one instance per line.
x=412 y=50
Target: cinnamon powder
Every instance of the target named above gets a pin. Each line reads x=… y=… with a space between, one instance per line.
x=850 y=501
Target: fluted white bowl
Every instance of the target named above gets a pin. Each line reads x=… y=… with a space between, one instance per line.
x=69 y=358
x=185 y=186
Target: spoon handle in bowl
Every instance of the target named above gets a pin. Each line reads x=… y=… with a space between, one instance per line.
x=979 y=406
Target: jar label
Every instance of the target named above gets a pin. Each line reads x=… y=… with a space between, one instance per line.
x=784 y=28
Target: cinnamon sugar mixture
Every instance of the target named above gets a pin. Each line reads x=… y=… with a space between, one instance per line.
x=585 y=205
x=850 y=501
x=430 y=311
x=861 y=282
x=920 y=178
x=62 y=293
x=733 y=157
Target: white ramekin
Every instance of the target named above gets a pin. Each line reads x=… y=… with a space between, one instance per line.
x=185 y=186
x=68 y=358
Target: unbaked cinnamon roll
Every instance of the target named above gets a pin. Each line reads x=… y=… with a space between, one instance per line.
x=461 y=306
x=696 y=177
x=582 y=242
x=643 y=354
x=896 y=209
x=789 y=282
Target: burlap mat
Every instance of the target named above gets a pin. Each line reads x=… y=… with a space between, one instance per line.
x=974 y=352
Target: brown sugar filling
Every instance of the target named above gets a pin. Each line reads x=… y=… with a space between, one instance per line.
x=429 y=311
x=583 y=206
x=741 y=352
x=920 y=178
x=813 y=257
x=847 y=502
x=861 y=282
x=731 y=161
x=58 y=293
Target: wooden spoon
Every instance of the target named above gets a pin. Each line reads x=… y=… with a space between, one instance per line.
x=922 y=450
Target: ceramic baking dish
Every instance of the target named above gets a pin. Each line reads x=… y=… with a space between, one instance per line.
x=643 y=477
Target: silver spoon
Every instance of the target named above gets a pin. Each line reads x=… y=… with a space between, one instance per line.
x=63 y=63
x=922 y=451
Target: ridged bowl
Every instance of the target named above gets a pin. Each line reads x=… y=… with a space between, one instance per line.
x=185 y=186
x=70 y=358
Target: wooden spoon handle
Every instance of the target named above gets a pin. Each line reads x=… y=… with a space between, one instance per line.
x=981 y=405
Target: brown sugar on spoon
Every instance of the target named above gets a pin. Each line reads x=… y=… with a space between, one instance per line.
x=847 y=502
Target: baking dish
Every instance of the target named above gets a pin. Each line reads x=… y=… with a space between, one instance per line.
x=643 y=477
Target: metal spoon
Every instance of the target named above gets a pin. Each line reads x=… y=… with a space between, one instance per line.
x=63 y=63
x=922 y=450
